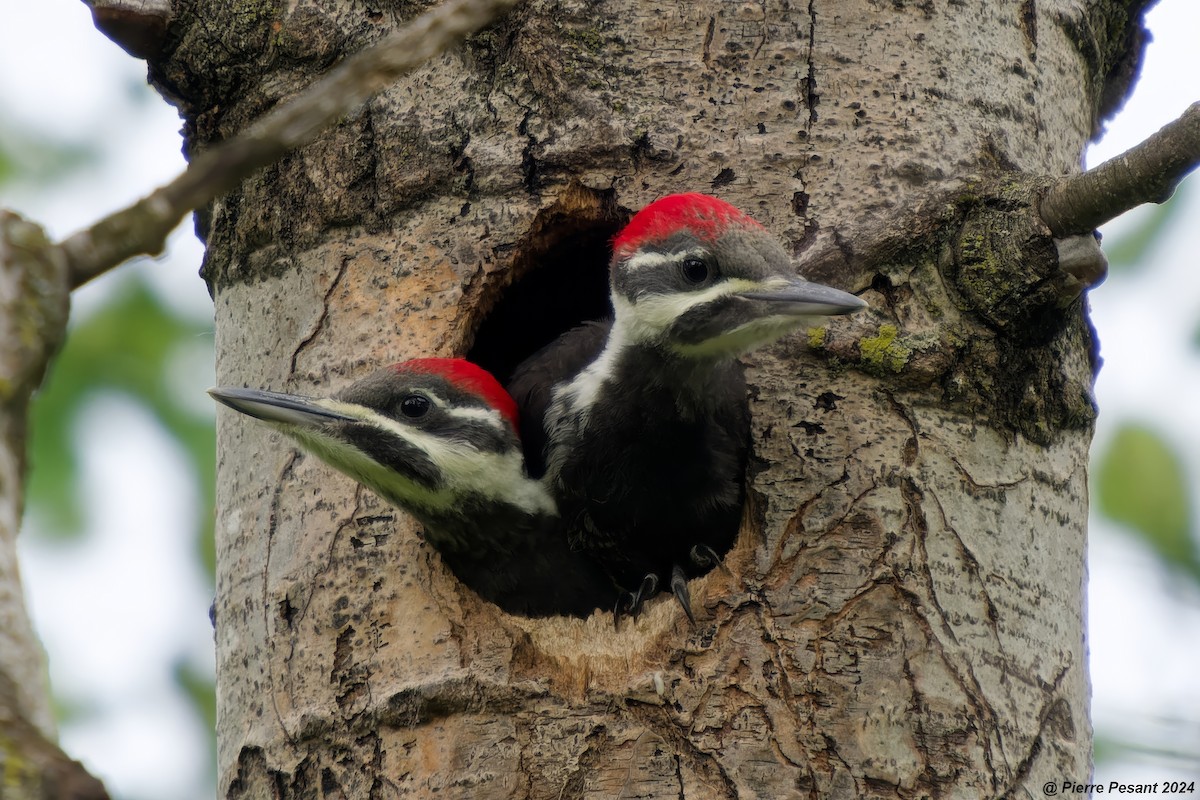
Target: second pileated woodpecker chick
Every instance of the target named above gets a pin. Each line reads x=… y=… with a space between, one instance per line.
x=438 y=438
x=641 y=425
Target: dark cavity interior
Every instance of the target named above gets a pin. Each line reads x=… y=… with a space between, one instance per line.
x=560 y=280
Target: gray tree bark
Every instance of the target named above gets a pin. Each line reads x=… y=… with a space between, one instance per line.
x=903 y=613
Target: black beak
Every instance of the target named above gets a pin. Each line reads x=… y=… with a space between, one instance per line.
x=288 y=409
x=800 y=298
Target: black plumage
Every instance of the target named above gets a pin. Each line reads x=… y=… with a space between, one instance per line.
x=660 y=470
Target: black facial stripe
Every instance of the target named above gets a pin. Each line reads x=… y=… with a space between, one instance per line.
x=635 y=282
x=481 y=435
x=390 y=450
x=708 y=320
x=382 y=392
x=657 y=281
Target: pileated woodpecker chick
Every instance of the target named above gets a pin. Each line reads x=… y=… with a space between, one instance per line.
x=438 y=438
x=641 y=425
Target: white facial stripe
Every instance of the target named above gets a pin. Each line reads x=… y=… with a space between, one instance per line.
x=647 y=319
x=642 y=260
x=481 y=472
x=492 y=418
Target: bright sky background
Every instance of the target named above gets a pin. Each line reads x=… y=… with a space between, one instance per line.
x=1144 y=623
x=114 y=611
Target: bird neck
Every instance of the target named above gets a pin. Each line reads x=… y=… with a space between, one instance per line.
x=631 y=384
x=633 y=372
x=480 y=529
x=463 y=493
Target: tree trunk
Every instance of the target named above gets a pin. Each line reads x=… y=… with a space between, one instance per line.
x=903 y=613
x=34 y=298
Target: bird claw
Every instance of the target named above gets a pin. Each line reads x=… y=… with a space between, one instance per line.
x=631 y=603
x=624 y=602
x=680 y=590
x=647 y=590
x=704 y=556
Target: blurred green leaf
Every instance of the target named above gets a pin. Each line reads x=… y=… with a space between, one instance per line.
x=1130 y=251
x=125 y=346
x=201 y=692
x=38 y=157
x=7 y=167
x=1147 y=739
x=74 y=709
x=200 y=689
x=1140 y=483
x=1106 y=748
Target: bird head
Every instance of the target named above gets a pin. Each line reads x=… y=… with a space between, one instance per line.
x=435 y=436
x=697 y=276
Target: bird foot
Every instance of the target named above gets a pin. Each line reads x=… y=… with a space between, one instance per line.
x=631 y=603
x=624 y=601
x=680 y=590
x=647 y=590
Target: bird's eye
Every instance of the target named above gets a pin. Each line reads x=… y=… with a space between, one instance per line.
x=415 y=405
x=694 y=270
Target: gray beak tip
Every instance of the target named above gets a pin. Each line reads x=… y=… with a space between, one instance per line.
x=276 y=406
x=804 y=298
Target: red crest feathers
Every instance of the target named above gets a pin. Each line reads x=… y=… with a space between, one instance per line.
x=467 y=376
x=705 y=216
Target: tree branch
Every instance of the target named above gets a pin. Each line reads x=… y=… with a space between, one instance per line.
x=1147 y=173
x=142 y=229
